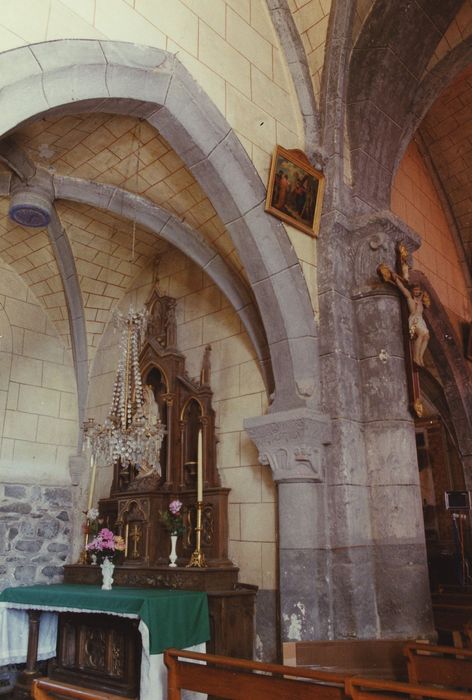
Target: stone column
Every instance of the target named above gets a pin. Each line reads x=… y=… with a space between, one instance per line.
x=351 y=536
x=293 y=443
x=398 y=542
x=378 y=571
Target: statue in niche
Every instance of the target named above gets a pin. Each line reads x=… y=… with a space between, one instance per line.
x=150 y=407
x=150 y=412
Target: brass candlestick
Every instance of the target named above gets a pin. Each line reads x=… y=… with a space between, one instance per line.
x=197 y=559
x=83 y=551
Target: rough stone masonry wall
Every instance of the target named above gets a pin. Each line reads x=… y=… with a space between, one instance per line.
x=34 y=533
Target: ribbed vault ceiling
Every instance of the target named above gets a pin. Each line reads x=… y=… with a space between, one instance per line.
x=110 y=251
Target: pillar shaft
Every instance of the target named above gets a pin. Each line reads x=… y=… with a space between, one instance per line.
x=351 y=536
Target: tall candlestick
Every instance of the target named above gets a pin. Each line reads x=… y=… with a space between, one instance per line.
x=92 y=481
x=200 y=467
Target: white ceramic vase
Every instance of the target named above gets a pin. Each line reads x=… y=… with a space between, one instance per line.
x=107 y=568
x=173 y=551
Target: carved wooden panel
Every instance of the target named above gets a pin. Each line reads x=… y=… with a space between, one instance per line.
x=98 y=651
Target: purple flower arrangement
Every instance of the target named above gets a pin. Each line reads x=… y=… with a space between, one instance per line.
x=172 y=518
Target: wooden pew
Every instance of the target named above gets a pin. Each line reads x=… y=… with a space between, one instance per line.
x=453 y=588
x=452 y=598
x=45 y=688
x=439 y=665
x=238 y=679
x=453 y=618
x=377 y=689
x=381 y=658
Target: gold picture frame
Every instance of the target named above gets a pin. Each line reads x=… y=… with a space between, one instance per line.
x=295 y=190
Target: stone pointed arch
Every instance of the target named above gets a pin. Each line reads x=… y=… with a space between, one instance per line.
x=166 y=225
x=434 y=82
x=115 y=76
x=386 y=70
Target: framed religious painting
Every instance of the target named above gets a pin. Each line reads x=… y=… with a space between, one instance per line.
x=295 y=190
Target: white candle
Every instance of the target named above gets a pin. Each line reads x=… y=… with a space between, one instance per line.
x=92 y=481
x=200 y=467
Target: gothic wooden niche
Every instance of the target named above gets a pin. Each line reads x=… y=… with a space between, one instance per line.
x=185 y=408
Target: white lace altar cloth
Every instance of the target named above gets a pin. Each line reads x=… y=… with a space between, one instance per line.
x=14 y=645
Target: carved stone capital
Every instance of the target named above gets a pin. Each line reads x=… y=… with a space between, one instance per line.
x=291 y=442
x=375 y=241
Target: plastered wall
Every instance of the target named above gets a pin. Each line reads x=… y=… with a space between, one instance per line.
x=205 y=317
x=416 y=201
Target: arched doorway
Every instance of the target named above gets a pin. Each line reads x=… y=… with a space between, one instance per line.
x=447 y=528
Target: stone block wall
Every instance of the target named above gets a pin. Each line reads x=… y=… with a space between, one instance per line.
x=35 y=534
x=38 y=399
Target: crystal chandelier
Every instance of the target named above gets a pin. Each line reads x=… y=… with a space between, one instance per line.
x=132 y=432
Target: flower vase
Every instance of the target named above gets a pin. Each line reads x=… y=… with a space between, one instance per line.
x=173 y=551
x=107 y=568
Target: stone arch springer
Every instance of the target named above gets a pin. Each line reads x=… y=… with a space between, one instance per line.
x=91 y=75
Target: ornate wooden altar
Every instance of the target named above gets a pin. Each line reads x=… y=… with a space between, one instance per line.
x=137 y=497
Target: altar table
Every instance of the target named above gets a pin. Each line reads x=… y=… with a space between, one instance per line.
x=167 y=618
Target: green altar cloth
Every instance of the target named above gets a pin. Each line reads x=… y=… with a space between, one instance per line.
x=174 y=618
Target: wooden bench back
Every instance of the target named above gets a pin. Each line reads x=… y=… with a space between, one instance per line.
x=44 y=689
x=238 y=679
x=378 y=689
x=452 y=598
x=449 y=666
x=382 y=658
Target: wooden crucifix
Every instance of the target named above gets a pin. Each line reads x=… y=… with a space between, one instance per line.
x=416 y=336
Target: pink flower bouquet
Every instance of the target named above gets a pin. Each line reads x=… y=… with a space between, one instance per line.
x=106 y=545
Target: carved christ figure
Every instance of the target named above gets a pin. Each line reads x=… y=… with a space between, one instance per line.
x=419 y=332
